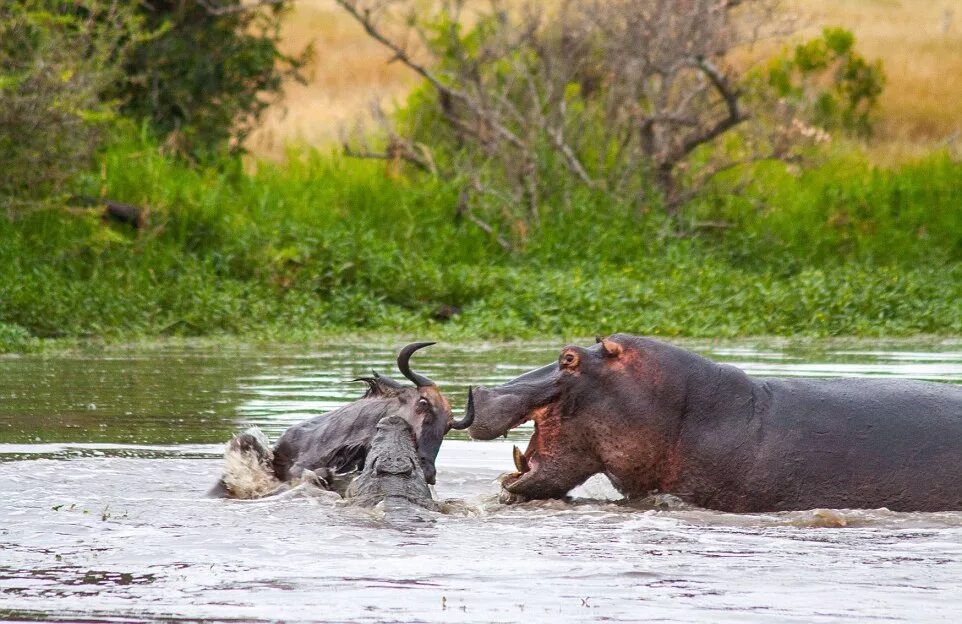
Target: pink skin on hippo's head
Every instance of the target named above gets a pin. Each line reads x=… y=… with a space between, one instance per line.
x=607 y=408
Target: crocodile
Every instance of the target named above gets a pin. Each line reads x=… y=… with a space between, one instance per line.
x=392 y=474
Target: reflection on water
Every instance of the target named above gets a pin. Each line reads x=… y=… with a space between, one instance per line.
x=104 y=459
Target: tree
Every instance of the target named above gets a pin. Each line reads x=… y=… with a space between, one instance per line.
x=827 y=79
x=56 y=59
x=203 y=81
x=636 y=99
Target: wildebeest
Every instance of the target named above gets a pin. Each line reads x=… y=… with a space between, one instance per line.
x=337 y=443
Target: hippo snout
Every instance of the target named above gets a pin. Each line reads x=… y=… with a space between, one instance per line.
x=495 y=413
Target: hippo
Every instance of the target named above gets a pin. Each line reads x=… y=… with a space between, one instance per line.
x=392 y=472
x=656 y=418
x=335 y=444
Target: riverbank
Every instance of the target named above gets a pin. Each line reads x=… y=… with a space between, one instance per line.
x=323 y=246
x=789 y=346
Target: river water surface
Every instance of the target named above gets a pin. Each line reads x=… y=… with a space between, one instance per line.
x=105 y=458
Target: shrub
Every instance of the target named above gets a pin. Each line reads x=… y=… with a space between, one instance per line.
x=56 y=57
x=15 y=338
x=834 y=85
x=206 y=77
x=632 y=100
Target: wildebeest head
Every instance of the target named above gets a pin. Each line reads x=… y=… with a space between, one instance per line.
x=422 y=406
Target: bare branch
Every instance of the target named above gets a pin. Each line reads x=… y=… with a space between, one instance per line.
x=213 y=8
x=464 y=210
x=397 y=150
x=730 y=96
x=400 y=54
x=570 y=158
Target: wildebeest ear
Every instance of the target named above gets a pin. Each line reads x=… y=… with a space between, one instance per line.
x=386 y=384
x=610 y=348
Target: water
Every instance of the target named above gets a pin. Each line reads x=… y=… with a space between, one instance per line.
x=104 y=459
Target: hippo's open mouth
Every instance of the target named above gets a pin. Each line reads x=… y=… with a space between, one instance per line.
x=528 y=462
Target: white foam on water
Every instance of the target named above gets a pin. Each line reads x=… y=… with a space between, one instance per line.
x=247 y=473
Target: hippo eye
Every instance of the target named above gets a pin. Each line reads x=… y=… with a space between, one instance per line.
x=569 y=360
x=424 y=403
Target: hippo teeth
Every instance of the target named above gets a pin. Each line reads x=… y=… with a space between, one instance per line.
x=520 y=461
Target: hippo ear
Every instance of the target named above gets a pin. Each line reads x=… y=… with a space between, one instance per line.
x=611 y=348
x=599 y=339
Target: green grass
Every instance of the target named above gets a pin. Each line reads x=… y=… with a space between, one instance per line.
x=325 y=245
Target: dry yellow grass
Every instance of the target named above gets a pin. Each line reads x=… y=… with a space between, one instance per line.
x=348 y=73
x=920 y=44
x=919 y=41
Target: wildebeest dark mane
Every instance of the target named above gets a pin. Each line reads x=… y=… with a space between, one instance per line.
x=379 y=386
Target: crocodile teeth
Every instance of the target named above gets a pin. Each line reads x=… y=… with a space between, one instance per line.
x=520 y=462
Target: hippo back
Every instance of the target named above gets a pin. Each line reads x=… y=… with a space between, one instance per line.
x=855 y=442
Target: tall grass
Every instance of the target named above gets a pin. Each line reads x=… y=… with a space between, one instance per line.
x=326 y=245
x=848 y=210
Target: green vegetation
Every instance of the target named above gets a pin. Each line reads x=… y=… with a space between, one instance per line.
x=325 y=245
x=829 y=81
x=206 y=73
x=55 y=60
x=198 y=75
x=533 y=219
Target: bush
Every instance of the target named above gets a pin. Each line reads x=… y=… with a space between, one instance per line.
x=207 y=75
x=835 y=86
x=635 y=100
x=56 y=58
x=15 y=338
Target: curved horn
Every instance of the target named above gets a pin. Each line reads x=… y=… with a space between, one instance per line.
x=404 y=365
x=465 y=422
